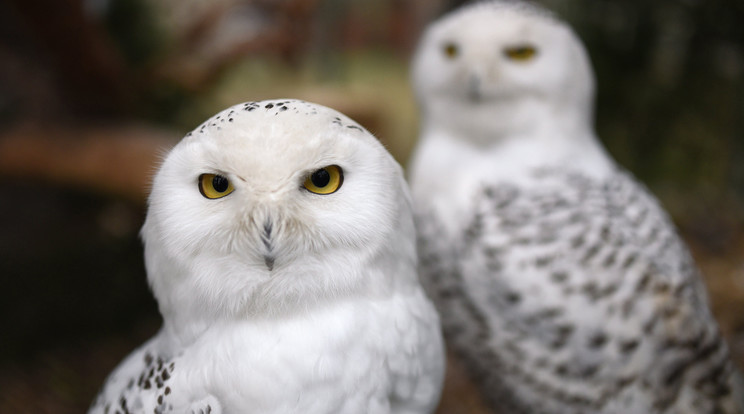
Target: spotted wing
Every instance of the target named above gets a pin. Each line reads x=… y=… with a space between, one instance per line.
x=143 y=383
x=569 y=295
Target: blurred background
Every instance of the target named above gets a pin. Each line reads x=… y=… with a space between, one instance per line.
x=92 y=92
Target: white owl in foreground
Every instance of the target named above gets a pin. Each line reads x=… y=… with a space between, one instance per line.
x=279 y=244
x=559 y=280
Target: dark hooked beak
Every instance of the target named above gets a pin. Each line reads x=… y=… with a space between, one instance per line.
x=266 y=239
x=474 y=93
x=269 y=260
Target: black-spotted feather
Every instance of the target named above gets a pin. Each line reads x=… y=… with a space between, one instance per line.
x=568 y=294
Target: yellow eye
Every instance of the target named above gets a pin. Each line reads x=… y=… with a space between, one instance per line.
x=521 y=53
x=325 y=180
x=450 y=50
x=214 y=186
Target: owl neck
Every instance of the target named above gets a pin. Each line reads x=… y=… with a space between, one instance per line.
x=497 y=148
x=511 y=137
x=498 y=121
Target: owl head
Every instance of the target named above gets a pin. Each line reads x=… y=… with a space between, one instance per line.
x=498 y=68
x=271 y=207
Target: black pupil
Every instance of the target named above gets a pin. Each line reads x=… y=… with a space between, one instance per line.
x=320 y=178
x=220 y=183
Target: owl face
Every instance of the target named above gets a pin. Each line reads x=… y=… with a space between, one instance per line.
x=495 y=59
x=270 y=204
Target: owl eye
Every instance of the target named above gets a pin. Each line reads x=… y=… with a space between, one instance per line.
x=450 y=50
x=520 y=53
x=214 y=186
x=325 y=180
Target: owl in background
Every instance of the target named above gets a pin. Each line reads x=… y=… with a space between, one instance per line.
x=280 y=246
x=560 y=281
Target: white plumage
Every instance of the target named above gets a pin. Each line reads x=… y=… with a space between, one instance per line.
x=559 y=279
x=279 y=244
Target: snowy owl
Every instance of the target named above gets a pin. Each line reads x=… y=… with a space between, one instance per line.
x=279 y=244
x=560 y=281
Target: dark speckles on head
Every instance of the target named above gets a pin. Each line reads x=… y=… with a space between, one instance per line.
x=247 y=115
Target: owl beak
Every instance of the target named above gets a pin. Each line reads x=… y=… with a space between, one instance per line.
x=269 y=260
x=266 y=239
x=474 y=84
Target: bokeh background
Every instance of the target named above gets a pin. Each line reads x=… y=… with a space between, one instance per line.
x=93 y=91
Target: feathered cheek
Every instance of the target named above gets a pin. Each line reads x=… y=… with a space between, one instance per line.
x=301 y=235
x=193 y=238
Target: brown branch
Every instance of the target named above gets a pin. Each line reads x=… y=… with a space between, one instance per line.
x=118 y=160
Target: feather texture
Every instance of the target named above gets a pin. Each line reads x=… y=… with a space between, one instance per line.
x=278 y=297
x=560 y=280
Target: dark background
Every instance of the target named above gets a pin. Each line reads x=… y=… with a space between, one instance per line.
x=92 y=92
